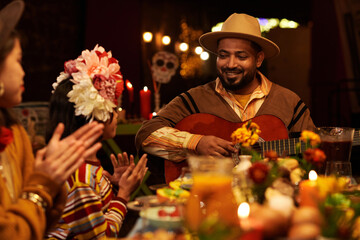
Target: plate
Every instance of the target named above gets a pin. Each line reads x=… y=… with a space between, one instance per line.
x=144 y=201
x=168 y=220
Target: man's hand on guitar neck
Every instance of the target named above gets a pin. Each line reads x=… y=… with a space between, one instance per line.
x=214 y=146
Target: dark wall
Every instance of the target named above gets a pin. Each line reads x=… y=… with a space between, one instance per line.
x=52 y=33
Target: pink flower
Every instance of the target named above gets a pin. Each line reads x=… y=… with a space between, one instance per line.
x=70 y=67
x=106 y=87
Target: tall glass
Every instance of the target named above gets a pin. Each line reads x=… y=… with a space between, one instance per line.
x=336 y=142
x=211 y=208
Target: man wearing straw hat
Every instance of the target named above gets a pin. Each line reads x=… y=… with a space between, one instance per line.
x=240 y=92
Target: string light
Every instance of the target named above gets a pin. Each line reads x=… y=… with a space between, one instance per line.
x=204 y=56
x=166 y=40
x=198 y=50
x=183 y=47
x=266 y=24
x=147 y=36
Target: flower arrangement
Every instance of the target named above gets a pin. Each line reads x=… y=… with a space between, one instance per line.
x=313 y=157
x=271 y=175
x=98 y=83
x=274 y=183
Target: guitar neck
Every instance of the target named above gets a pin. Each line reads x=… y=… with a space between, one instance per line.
x=281 y=147
x=288 y=146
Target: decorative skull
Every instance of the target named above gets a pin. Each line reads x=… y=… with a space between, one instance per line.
x=164 y=65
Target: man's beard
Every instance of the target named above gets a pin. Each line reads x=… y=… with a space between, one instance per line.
x=245 y=80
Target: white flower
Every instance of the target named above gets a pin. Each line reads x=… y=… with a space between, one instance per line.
x=89 y=103
x=59 y=79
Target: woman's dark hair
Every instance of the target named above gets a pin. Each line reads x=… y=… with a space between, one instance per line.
x=61 y=110
x=7 y=117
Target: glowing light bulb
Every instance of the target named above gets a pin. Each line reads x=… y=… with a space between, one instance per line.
x=183 y=47
x=166 y=40
x=198 y=50
x=204 y=56
x=147 y=36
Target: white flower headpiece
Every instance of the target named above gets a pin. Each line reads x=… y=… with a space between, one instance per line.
x=98 y=83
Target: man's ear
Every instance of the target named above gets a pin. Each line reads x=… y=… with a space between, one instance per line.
x=259 y=58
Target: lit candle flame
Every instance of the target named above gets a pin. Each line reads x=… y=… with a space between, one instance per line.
x=128 y=84
x=243 y=210
x=145 y=88
x=312 y=175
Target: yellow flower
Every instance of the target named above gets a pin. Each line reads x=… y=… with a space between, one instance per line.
x=247 y=134
x=330 y=184
x=310 y=136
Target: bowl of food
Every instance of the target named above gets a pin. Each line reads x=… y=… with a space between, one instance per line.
x=166 y=217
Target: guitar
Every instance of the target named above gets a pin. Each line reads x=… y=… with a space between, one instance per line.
x=274 y=137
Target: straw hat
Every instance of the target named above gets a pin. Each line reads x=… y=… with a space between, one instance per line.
x=9 y=17
x=240 y=26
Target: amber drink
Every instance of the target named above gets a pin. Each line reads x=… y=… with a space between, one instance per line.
x=336 y=142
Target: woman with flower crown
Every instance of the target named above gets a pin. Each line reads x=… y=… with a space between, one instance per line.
x=87 y=91
x=32 y=194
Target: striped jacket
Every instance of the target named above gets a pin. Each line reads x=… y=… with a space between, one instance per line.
x=91 y=211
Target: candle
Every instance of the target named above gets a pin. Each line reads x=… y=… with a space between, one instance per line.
x=252 y=229
x=308 y=192
x=145 y=102
x=130 y=90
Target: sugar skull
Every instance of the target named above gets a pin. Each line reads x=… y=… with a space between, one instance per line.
x=164 y=65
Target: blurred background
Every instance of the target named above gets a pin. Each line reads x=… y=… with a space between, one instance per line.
x=319 y=42
x=319 y=58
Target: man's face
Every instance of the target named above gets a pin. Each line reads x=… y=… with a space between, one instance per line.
x=237 y=62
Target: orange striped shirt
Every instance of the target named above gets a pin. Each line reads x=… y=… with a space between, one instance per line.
x=92 y=210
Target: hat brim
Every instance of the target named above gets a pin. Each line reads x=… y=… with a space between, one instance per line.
x=210 y=40
x=9 y=17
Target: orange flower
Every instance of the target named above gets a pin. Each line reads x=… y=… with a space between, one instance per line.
x=315 y=156
x=271 y=155
x=258 y=172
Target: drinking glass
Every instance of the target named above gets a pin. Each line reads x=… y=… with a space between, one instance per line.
x=336 y=142
x=211 y=208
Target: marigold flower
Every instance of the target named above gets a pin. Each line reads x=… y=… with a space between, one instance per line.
x=315 y=156
x=309 y=136
x=258 y=172
x=330 y=184
x=271 y=155
x=247 y=134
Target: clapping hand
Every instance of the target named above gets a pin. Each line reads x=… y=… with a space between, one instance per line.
x=132 y=178
x=120 y=165
x=60 y=158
